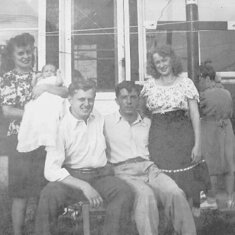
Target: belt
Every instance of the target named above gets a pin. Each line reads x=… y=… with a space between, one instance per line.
x=131 y=160
x=212 y=118
x=88 y=170
x=170 y=115
x=182 y=169
x=220 y=122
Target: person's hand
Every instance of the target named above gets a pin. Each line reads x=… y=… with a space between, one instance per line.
x=38 y=75
x=93 y=196
x=38 y=90
x=59 y=78
x=196 y=154
x=58 y=73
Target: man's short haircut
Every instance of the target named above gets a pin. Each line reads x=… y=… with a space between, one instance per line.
x=206 y=69
x=129 y=86
x=80 y=83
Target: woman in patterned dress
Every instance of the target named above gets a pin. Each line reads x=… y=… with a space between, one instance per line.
x=25 y=169
x=174 y=138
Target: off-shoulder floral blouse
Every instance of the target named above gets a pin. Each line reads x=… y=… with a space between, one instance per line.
x=15 y=91
x=161 y=99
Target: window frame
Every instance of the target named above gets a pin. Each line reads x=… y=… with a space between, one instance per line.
x=122 y=41
x=41 y=33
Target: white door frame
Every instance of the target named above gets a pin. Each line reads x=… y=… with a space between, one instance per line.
x=65 y=25
x=141 y=39
x=41 y=33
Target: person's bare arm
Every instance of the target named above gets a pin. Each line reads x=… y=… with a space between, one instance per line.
x=195 y=118
x=61 y=91
x=59 y=80
x=35 y=79
x=90 y=193
x=142 y=109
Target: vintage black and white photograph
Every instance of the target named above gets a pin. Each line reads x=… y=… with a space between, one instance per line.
x=117 y=117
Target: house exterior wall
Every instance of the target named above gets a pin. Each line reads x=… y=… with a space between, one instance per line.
x=114 y=34
x=110 y=40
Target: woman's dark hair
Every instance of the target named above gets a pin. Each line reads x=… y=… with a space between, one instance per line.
x=166 y=51
x=206 y=69
x=21 y=40
x=80 y=83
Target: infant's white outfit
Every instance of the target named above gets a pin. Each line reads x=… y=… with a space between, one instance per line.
x=40 y=120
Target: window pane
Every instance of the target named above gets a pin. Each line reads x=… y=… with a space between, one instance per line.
x=134 y=41
x=93 y=53
x=219 y=47
x=52 y=32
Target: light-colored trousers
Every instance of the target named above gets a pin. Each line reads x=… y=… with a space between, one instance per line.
x=152 y=187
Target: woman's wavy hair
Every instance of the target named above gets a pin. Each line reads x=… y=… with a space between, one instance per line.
x=165 y=51
x=206 y=69
x=21 y=40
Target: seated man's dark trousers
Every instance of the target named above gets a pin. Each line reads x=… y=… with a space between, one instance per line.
x=117 y=196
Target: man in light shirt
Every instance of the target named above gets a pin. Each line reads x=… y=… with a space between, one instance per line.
x=127 y=149
x=77 y=168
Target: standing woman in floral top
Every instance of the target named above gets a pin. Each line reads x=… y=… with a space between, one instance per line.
x=174 y=138
x=25 y=169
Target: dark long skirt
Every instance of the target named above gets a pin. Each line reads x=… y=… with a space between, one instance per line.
x=171 y=140
x=26 y=178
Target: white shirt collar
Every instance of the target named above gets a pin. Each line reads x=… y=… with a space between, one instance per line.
x=119 y=117
x=75 y=122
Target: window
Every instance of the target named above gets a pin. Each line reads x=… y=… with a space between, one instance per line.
x=134 y=40
x=220 y=48
x=217 y=41
x=93 y=41
x=52 y=32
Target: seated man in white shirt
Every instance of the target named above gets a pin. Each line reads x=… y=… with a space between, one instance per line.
x=127 y=149
x=77 y=168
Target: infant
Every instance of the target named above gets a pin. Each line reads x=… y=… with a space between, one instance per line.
x=42 y=114
x=49 y=75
